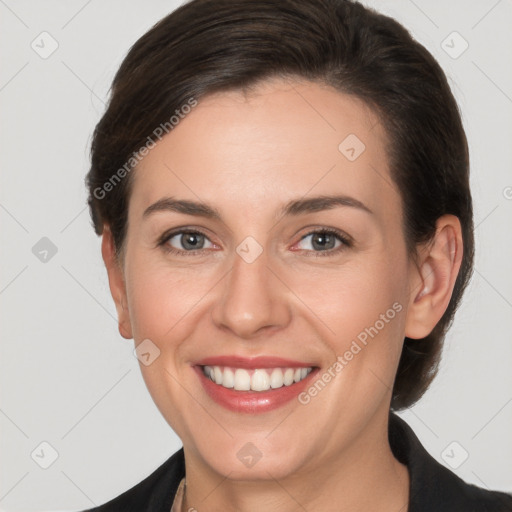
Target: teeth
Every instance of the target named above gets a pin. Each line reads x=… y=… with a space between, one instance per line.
x=288 y=377
x=242 y=380
x=260 y=379
x=217 y=374
x=228 y=379
x=276 y=378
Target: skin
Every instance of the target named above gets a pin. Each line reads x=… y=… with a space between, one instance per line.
x=247 y=155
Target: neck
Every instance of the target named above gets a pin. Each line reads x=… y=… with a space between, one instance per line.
x=364 y=476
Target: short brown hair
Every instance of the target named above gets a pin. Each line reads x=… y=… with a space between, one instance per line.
x=206 y=46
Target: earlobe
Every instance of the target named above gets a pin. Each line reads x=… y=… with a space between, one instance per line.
x=116 y=283
x=433 y=280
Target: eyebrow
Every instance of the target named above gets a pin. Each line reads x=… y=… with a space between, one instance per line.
x=292 y=208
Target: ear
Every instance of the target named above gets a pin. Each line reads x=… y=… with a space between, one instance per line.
x=116 y=283
x=433 y=279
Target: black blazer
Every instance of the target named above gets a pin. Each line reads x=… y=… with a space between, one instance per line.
x=433 y=488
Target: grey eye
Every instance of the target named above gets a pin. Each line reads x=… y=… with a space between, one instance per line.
x=188 y=241
x=320 y=241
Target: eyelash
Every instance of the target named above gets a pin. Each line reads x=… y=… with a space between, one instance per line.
x=346 y=242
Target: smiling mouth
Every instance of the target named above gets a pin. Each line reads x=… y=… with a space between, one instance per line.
x=259 y=379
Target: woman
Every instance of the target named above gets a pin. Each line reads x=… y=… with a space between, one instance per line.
x=283 y=196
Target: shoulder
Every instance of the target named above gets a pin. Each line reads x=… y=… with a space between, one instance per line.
x=155 y=493
x=435 y=487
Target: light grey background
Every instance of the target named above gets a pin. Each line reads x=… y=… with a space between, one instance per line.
x=68 y=378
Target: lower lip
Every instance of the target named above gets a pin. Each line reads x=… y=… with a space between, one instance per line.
x=252 y=402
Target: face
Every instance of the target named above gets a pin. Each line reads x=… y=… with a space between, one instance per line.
x=304 y=301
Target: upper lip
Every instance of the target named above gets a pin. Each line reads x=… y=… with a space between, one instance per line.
x=253 y=362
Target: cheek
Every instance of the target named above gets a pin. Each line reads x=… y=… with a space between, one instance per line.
x=360 y=310
x=164 y=304
x=364 y=313
x=350 y=299
x=160 y=299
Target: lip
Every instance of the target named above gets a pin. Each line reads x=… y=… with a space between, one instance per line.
x=252 y=402
x=252 y=363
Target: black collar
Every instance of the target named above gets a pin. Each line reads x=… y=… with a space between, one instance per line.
x=433 y=487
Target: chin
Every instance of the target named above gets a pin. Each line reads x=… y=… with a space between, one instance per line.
x=239 y=458
x=268 y=467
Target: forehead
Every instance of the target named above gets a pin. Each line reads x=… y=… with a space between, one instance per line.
x=259 y=149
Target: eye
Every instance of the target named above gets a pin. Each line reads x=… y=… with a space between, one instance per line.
x=324 y=240
x=185 y=241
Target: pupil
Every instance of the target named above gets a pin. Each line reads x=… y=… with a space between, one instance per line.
x=190 y=241
x=323 y=241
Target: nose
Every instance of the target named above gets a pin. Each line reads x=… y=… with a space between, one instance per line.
x=253 y=299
